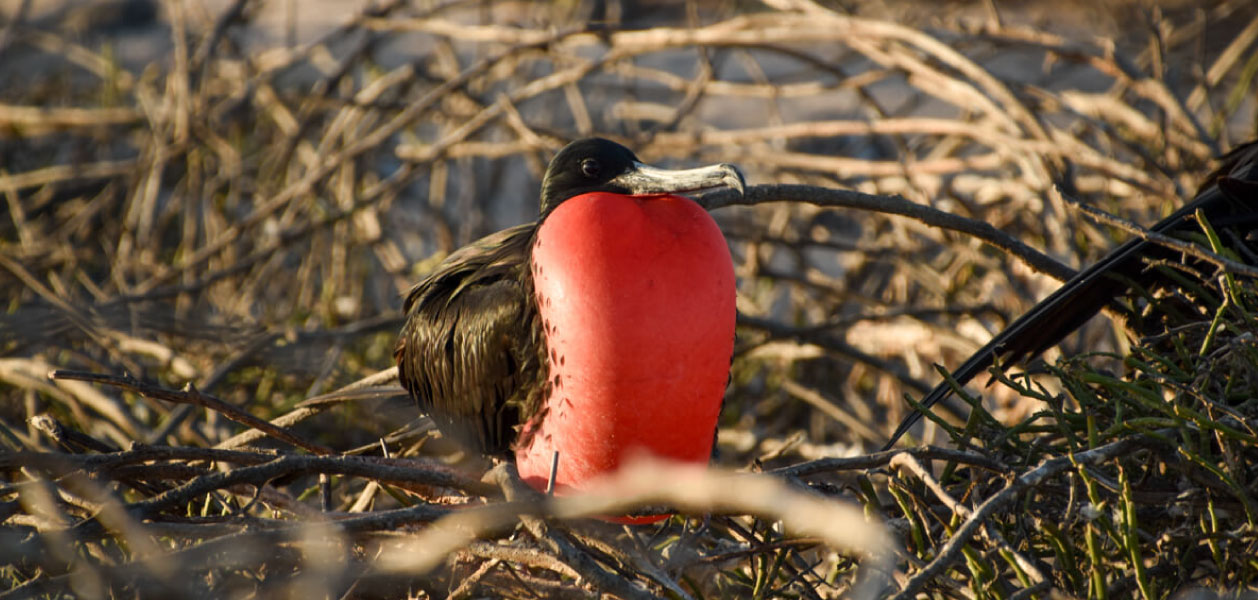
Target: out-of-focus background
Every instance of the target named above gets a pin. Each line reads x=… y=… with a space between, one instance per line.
x=236 y=195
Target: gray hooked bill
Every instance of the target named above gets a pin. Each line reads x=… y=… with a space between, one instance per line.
x=644 y=179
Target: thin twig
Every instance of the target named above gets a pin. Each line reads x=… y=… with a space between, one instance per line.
x=190 y=395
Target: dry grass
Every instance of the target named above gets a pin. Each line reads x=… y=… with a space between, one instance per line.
x=223 y=237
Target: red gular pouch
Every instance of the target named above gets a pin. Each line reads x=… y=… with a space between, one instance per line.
x=644 y=287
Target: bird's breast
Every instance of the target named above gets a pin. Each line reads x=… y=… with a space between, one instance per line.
x=636 y=296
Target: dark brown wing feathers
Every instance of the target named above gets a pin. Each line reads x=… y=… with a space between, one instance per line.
x=472 y=352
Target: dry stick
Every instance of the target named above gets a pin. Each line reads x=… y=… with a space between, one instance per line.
x=80 y=319
x=105 y=169
x=58 y=463
x=379 y=378
x=843 y=166
x=760 y=548
x=907 y=461
x=190 y=395
x=580 y=561
x=835 y=344
x=597 y=535
x=37 y=120
x=811 y=278
x=831 y=409
x=678 y=83
x=72 y=439
x=920 y=313
x=879 y=459
x=208 y=383
x=313 y=406
x=895 y=205
x=952 y=550
x=1161 y=239
x=526 y=556
x=499 y=34
x=259 y=475
x=470 y=582
x=297 y=464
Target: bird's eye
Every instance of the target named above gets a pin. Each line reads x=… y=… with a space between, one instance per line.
x=590 y=168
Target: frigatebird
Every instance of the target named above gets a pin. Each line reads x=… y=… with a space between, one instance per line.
x=601 y=330
x=1228 y=199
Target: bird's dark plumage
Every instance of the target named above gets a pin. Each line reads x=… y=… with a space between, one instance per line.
x=1228 y=199
x=472 y=351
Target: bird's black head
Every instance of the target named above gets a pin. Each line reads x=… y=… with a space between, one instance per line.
x=599 y=165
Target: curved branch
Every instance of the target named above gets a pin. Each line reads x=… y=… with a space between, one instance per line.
x=892 y=205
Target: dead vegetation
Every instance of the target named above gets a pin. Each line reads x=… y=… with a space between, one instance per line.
x=207 y=245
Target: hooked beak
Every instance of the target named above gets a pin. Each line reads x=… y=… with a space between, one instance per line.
x=644 y=180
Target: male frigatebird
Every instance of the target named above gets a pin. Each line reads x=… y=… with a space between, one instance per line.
x=1229 y=201
x=599 y=331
